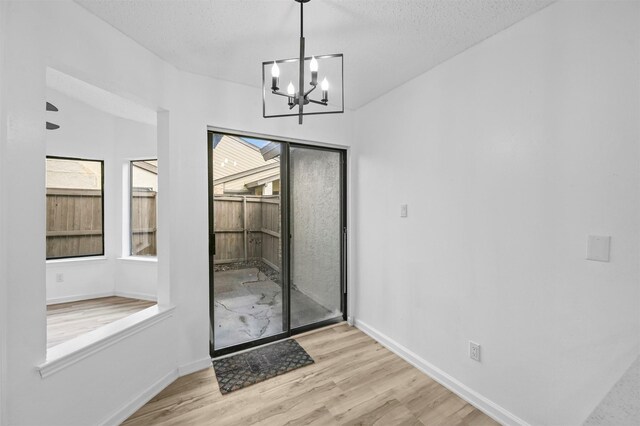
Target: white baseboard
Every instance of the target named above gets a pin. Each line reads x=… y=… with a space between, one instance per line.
x=194 y=366
x=133 y=406
x=487 y=406
x=77 y=297
x=135 y=295
x=87 y=296
x=138 y=402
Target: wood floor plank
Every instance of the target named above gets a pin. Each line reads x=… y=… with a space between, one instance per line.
x=382 y=409
x=320 y=416
x=354 y=380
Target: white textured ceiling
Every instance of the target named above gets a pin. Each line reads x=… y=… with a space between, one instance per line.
x=385 y=42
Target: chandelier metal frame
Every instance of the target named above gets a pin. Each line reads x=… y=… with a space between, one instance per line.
x=301 y=97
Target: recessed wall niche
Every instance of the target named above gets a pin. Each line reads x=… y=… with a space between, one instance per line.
x=96 y=137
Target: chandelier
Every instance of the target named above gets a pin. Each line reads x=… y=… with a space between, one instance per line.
x=300 y=101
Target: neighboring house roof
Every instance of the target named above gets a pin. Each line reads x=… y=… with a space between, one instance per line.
x=272 y=150
x=150 y=165
x=232 y=155
x=248 y=173
x=240 y=165
x=241 y=182
x=145 y=175
x=263 y=180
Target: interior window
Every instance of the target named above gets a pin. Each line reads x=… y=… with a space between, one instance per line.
x=91 y=279
x=144 y=203
x=75 y=225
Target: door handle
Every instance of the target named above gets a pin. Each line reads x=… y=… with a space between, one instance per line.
x=344 y=260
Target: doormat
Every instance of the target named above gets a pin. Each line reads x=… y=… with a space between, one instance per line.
x=245 y=369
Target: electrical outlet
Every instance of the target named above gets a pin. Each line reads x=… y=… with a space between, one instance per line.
x=474 y=351
x=59 y=277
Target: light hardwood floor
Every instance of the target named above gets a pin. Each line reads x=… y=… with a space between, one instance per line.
x=68 y=320
x=355 y=380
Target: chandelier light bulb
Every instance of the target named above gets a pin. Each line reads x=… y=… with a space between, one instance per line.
x=275 y=70
x=275 y=76
x=290 y=89
x=313 y=66
x=325 y=90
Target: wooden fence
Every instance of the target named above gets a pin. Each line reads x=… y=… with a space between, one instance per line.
x=74 y=222
x=247 y=227
x=144 y=223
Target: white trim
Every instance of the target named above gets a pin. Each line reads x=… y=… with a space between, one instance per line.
x=84 y=296
x=73 y=351
x=77 y=259
x=351 y=238
x=136 y=295
x=479 y=401
x=138 y=402
x=77 y=297
x=273 y=138
x=125 y=210
x=150 y=259
x=194 y=366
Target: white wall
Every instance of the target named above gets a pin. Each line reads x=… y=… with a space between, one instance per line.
x=62 y=35
x=508 y=156
x=81 y=279
x=136 y=278
x=86 y=132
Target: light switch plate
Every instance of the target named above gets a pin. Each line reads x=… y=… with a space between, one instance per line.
x=403 y=210
x=598 y=248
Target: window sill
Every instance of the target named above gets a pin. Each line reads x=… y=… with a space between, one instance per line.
x=71 y=352
x=152 y=259
x=77 y=259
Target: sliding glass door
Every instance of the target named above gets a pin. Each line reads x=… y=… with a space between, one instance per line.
x=245 y=195
x=277 y=239
x=316 y=235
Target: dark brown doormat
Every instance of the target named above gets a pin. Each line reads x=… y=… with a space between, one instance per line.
x=245 y=369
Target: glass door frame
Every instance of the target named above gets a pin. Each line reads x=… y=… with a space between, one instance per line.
x=285 y=240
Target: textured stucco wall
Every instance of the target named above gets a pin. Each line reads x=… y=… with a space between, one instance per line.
x=315 y=203
x=73 y=174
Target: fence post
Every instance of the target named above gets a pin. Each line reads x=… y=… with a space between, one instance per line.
x=244 y=225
